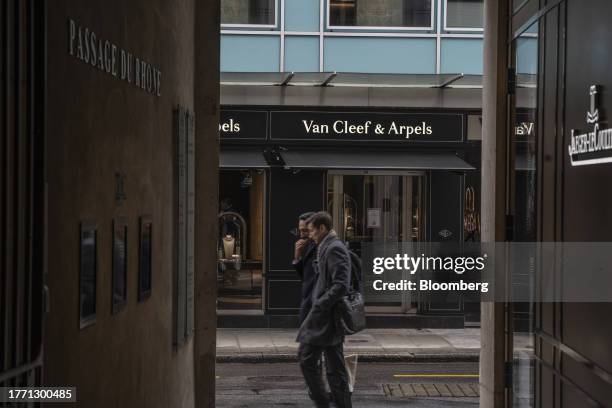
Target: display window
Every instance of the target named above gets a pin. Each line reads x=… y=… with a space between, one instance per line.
x=240 y=246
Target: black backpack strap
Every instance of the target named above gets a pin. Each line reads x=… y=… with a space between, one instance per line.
x=356 y=283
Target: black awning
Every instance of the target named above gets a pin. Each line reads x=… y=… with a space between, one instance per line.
x=242 y=159
x=374 y=160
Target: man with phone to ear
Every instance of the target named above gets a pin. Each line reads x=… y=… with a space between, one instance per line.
x=303 y=262
x=318 y=334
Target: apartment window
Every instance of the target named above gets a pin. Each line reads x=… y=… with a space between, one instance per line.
x=464 y=14
x=248 y=12
x=400 y=14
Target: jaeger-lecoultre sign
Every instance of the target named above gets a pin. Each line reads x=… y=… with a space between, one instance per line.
x=104 y=55
x=594 y=147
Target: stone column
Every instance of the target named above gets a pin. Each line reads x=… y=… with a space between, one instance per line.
x=206 y=97
x=494 y=129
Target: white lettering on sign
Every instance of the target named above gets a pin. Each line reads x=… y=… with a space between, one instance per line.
x=312 y=127
x=592 y=147
x=407 y=131
x=591 y=142
x=231 y=126
x=83 y=44
x=525 y=129
x=344 y=127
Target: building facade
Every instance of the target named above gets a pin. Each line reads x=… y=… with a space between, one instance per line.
x=370 y=110
x=547 y=186
x=99 y=279
x=379 y=36
x=564 y=195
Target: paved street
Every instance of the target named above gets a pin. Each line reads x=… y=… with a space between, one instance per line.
x=281 y=385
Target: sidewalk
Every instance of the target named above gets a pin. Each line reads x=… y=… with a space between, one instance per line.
x=277 y=345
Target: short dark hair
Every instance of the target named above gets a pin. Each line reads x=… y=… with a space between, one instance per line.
x=321 y=218
x=306 y=216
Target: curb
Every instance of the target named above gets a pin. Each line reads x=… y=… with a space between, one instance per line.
x=365 y=358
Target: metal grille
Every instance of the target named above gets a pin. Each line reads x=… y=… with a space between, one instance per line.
x=416 y=390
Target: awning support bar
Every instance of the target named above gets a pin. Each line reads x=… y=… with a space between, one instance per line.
x=329 y=79
x=287 y=79
x=451 y=80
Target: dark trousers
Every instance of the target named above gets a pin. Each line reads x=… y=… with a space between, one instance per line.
x=337 y=377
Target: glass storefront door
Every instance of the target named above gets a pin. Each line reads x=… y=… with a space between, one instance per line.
x=380 y=208
x=524 y=171
x=241 y=241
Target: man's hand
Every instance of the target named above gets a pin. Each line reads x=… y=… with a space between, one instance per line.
x=299 y=247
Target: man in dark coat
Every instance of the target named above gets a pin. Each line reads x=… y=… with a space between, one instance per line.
x=318 y=333
x=303 y=261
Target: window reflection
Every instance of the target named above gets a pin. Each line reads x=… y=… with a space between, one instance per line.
x=248 y=12
x=464 y=13
x=380 y=13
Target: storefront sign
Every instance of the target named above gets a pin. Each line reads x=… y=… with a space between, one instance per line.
x=367 y=126
x=525 y=126
x=239 y=124
x=105 y=56
x=525 y=129
x=594 y=147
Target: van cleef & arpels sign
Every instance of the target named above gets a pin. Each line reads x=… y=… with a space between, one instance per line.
x=594 y=147
x=85 y=45
x=366 y=126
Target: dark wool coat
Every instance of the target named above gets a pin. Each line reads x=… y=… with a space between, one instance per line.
x=305 y=268
x=334 y=270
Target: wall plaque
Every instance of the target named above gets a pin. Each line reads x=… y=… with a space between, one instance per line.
x=145 y=253
x=119 y=275
x=184 y=226
x=88 y=270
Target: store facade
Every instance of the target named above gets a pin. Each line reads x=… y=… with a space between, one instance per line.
x=545 y=177
x=386 y=175
x=319 y=77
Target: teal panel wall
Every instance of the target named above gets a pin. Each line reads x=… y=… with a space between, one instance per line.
x=461 y=56
x=383 y=55
x=302 y=15
x=302 y=54
x=250 y=53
